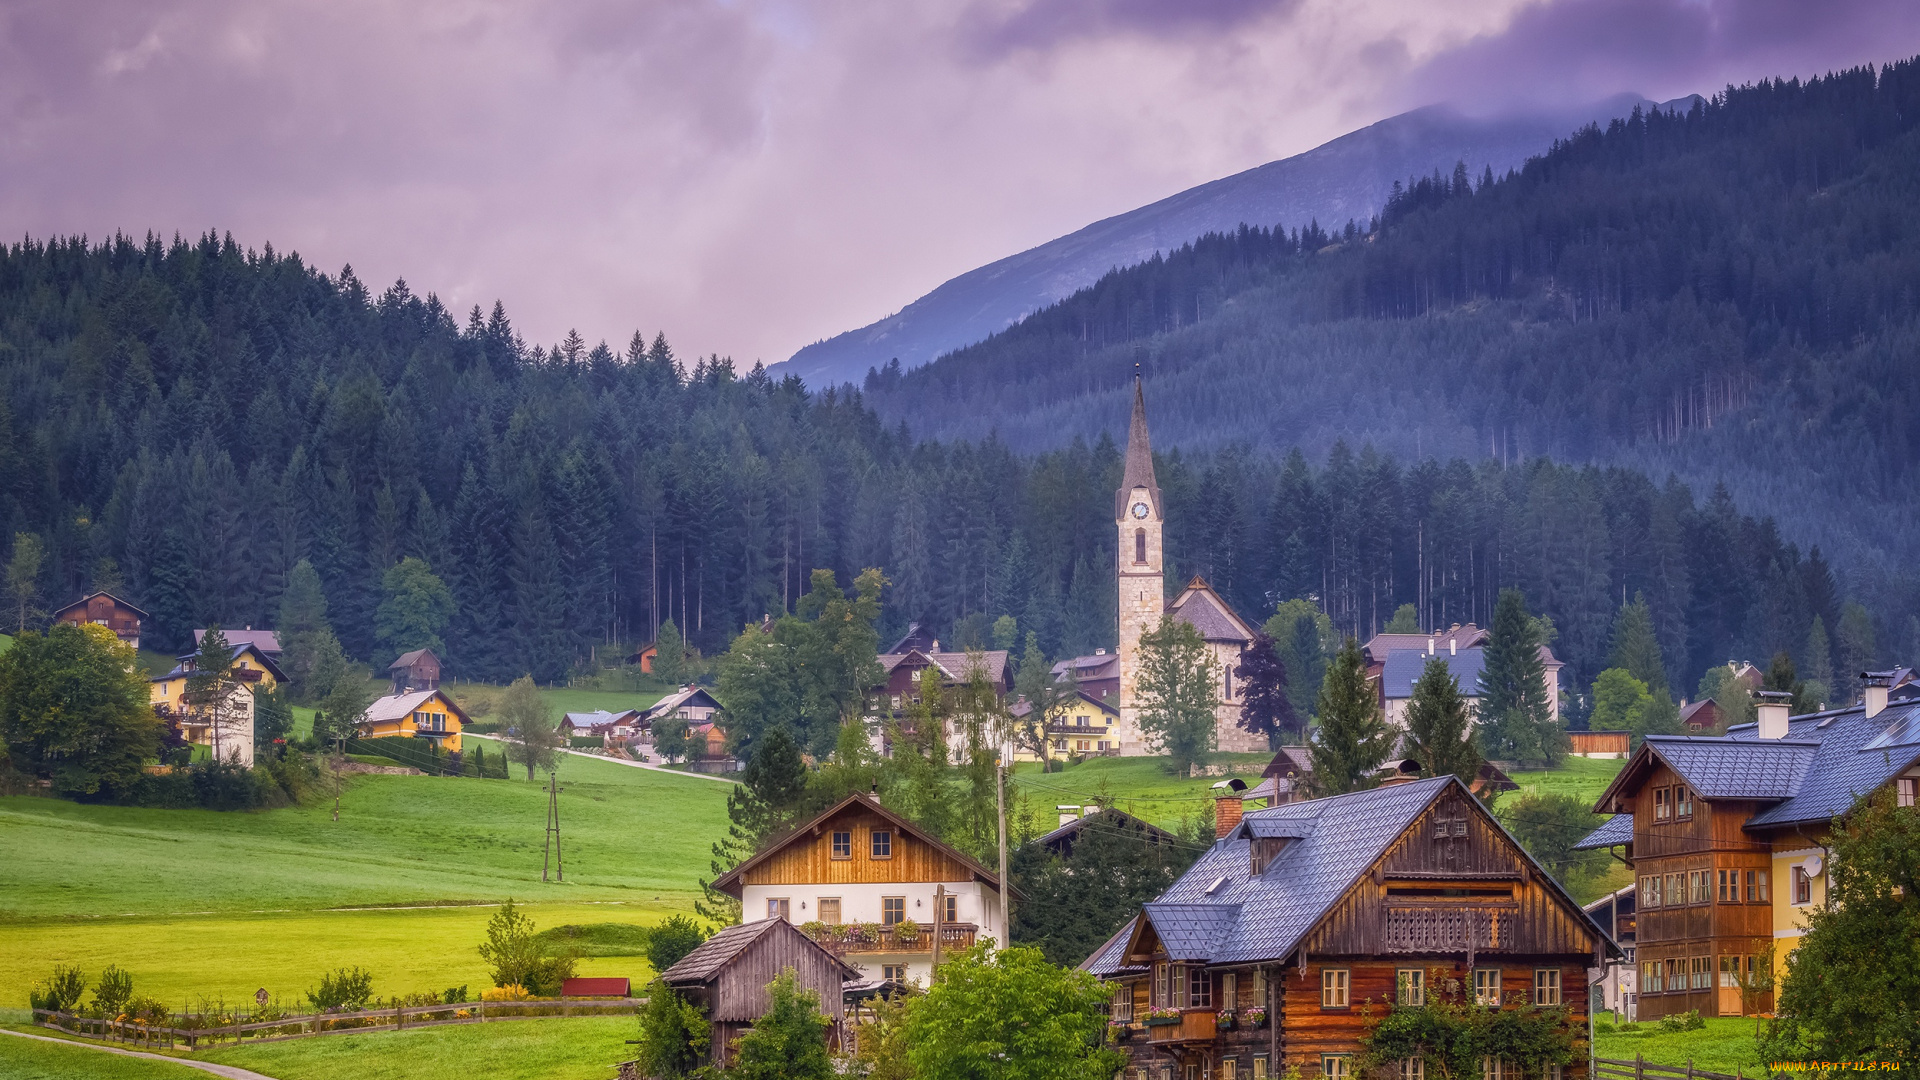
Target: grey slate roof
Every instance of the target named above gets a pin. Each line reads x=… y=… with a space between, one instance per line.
x=1404 y=666
x=1737 y=769
x=1110 y=958
x=1139 y=466
x=1192 y=931
x=1205 y=610
x=1617 y=830
x=1843 y=768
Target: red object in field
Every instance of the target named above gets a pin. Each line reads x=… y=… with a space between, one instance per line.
x=595 y=988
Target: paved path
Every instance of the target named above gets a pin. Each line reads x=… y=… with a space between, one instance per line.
x=625 y=761
x=231 y=1072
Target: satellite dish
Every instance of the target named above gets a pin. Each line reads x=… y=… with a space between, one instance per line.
x=1814 y=866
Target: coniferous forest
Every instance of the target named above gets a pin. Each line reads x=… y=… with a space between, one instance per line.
x=187 y=420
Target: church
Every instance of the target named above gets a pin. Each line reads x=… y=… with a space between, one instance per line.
x=1139 y=516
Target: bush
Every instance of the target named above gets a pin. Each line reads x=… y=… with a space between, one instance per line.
x=672 y=940
x=586 y=742
x=114 y=990
x=1686 y=1021
x=454 y=995
x=516 y=957
x=60 y=991
x=509 y=992
x=343 y=989
x=223 y=785
x=674 y=1034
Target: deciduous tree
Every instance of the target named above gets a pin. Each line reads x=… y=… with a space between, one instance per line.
x=73 y=711
x=416 y=607
x=1175 y=693
x=533 y=737
x=1008 y=1013
x=1266 y=705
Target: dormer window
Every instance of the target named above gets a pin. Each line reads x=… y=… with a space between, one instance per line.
x=1265 y=849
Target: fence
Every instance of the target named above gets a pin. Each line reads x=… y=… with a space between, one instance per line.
x=1642 y=1069
x=324 y=1023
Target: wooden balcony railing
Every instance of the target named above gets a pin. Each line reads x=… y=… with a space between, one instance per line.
x=1196 y=1025
x=871 y=938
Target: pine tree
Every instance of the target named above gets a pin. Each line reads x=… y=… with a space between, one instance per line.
x=1636 y=648
x=1440 y=731
x=771 y=795
x=1354 y=737
x=1819 y=665
x=1856 y=651
x=1516 y=720
x=1267 y=708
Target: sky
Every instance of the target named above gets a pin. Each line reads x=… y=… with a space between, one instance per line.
x=752 y=175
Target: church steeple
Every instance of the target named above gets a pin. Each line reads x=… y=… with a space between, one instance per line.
x=1139 y=466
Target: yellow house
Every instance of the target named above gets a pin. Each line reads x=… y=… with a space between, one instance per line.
x=422 y=714
x=253 y=669
x=1080 y=726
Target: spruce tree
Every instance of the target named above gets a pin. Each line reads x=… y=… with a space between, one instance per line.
x=1354 y=738
x=1440 y=731
x=1636 y=648
x=1267 y=707
x=1819 y=666
x=1516 y=719
x=771 y=796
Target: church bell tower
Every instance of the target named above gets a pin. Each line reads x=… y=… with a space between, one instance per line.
x=1138 y=514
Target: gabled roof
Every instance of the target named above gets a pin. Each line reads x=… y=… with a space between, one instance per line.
x=1264 y=918
x=955 y=667
x=1107 y=818
x=408 y=659
x=730 y=883
x=1110 y=958
x=266 y=662
x=397 y=706
x=1209 y=613
x=1469 y=636
x=684 y=696
x=1617 y=830
x=1692 y=708
x=1290 y=760
x=1079 y=666
x=715 y=953
x=267 y=640
x=1715 y=768
x=600 y=718
x=1139 y=465
x=106 y=594
x=1403 y=668
x=916 y=637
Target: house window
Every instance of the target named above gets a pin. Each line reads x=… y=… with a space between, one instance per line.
x=1413 y=1068
x=882 y=844
x=1335 y=1066
x=1493 y=1068
x=1729 y=972
x=1139 y=545
x=1649 y=892
x=1229 y=1069
x=1229 y=991
x=1486 y=986
x=830 y=910
x=1662 y=810
x=1199 y=988
x=1676 y=971
x=1908 y=788
x=1756 y=887
x=894 y=972
x=952 y=914
x=893 y=909
x=1682 y=803
x=1650 y=978
x=1675 y=889
x=1122 y=1007
x=1700 y=880
x=1333 y=988
x=1551 y=1071
x=1259 y=1067
x=1802 y=886
x=1702 y=971
x=1259 y=986
x=1546 y=986
x=1411 y=986
x=843 y=845
x=778 y=907
x=1729 y=886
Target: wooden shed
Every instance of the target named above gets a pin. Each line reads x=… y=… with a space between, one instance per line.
x=729 y=974
x=1601 y=744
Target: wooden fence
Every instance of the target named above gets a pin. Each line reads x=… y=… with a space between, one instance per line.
x=324 y=1023
x=1642 y=1069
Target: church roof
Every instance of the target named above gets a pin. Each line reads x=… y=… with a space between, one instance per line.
x=1139 y=470
x=1208 y=613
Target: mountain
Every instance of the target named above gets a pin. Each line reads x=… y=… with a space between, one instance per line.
x=1730 y=294
x=1349 y=177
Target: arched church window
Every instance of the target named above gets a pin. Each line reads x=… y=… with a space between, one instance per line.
x=1139 y=545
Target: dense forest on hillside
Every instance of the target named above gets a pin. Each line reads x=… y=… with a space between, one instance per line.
x=187 y=420
x=1730 y=293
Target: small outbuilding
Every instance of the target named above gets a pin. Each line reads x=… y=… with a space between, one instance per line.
x=414 y=671
x=729 y=973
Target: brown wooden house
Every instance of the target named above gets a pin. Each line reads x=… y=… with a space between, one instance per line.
x=728 y=975
x=107 y=610
x=1318 y=913
x=416 y=670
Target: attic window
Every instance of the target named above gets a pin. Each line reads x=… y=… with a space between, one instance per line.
x=1265 y=850
x=1217 y=882
x=1445 y=827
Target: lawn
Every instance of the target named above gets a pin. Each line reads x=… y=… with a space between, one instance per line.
x=562 y=1048
x=32 y=1059
x=1141 y=786
x=1583 y=778
x=565 y=699
x=1725 y=1044
x=163 y=892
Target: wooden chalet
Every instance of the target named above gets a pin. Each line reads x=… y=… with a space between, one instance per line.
x=416 y=670
x=1304 y=918
x=872 y=887
x=1726 y=836
x=1076 y=820
x=729 y=973
x=108 y=610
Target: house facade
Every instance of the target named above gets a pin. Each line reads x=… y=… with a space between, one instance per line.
x=108 y=610
x=691 y=703
x=870 y=887
x=226 y=730
x=728 y=975
x=1306 y=918
x=1081 y=726
x=416 y=670
x=1395 y=661
x=1619 y=982
x=427 y=715
x=1727 y=839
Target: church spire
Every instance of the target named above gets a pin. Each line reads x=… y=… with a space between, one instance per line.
x=1139 y=468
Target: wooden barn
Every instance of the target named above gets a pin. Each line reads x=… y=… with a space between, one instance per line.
x=416 y=670
x=729 y=973
x=107 y=610
x=1306 y=918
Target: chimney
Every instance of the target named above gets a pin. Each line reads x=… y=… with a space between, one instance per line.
x=1099 y=652
x=1068 y=814
x=1875 y=693
x=1228 y=806
x=1772 y=709
x=1429 y=646
x=1453 y=646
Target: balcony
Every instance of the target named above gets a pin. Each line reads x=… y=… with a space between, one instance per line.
x=842 y=939
x=1195 y=1025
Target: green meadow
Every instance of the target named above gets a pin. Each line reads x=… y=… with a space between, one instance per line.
x=1140 y=786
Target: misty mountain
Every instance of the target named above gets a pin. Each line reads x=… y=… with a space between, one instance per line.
x=1349 y=177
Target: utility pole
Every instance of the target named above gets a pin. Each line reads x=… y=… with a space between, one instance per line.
x=1000 y=804
x=939 y=923
x=553 y=832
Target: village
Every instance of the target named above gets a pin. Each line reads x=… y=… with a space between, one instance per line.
x=931 y=880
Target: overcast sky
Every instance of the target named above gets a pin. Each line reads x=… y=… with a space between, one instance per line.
x=750 y=175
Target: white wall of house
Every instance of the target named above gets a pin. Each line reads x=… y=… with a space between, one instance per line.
x=978 y=903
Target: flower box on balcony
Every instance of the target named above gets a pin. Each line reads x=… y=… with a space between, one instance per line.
x=1223 y=1022
x=1255 y=1018
x=1162 y=1017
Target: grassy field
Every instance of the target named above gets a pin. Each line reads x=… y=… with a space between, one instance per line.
x=1726 y=1043
x=565 y=699
x=1583 y=778
x=1138 y=785
x=567 y=1048
x=165 y=892
x=32 y=1059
